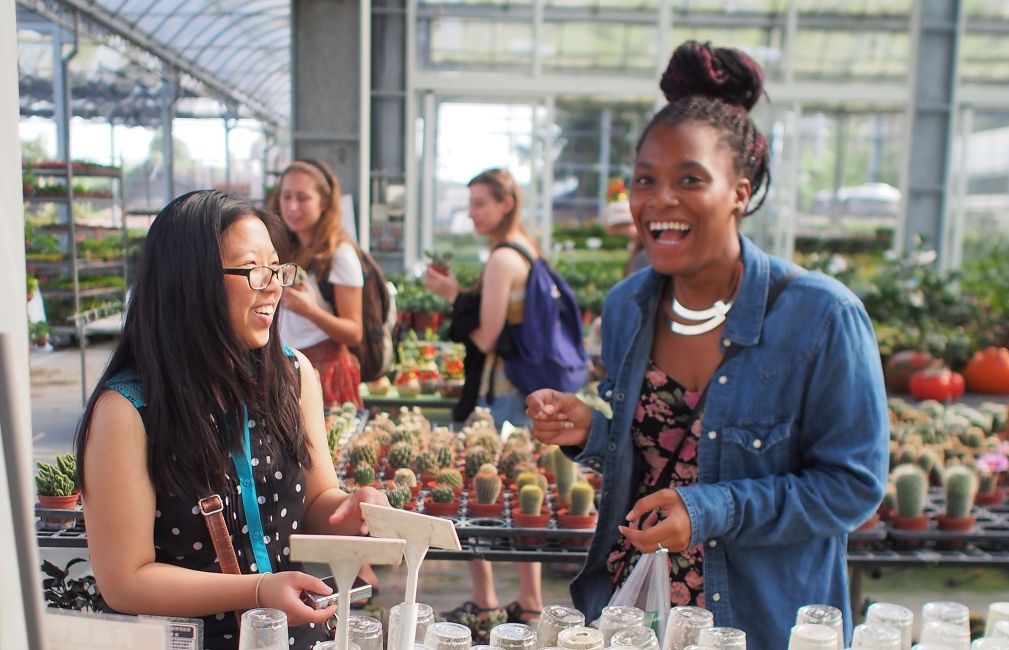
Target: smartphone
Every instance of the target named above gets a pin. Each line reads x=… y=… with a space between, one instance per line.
x=361 y=590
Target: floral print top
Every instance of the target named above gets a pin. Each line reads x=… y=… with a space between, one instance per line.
x=665 y=430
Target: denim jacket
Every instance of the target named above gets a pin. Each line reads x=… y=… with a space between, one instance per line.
x=793 y=451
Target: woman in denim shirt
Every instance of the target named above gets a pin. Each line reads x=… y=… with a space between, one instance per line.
x=749 y=426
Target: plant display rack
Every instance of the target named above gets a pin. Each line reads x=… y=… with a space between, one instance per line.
x=79 y=265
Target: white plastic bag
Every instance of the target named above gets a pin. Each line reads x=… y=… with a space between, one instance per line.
x=647 y=588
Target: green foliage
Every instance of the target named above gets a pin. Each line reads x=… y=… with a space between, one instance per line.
x=63 y=592
x=961 y=486
x=531 y=499
x=67 y=463
x=582 y=497
x=487 y=484
x=50 y=481
x=39 y=330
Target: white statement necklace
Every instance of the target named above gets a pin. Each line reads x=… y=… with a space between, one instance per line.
x=706 y=319
x=709 y=318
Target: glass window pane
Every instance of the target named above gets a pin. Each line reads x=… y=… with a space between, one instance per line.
x=599 y=46
x=477 y=43
x=829 y=55
x=984 y=58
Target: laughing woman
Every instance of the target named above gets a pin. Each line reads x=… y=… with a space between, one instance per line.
x=200 y=399
x=749 y=424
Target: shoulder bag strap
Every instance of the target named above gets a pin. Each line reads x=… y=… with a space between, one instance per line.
x=212 y=509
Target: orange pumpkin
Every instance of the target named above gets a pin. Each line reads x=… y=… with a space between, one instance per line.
x=988 y=371
x=901 y=365
x=941 y=384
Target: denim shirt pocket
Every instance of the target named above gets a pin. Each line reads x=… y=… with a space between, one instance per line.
x=756 y=450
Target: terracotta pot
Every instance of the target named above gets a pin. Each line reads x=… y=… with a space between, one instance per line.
x=918 y=523
x=992 y=498
x=955 y=524
x=529 y=521
x=423 y=320
x=441 y=509
x=410 y=505
x=59 y=503
x=576 y=522
x=491 y=510
x=870 y=524
x=885 y=513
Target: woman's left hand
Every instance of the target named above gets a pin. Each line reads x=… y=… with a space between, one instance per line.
x=350 y=509
x=672 y=531
x=299 y=299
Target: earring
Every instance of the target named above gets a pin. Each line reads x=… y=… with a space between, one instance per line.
x=739 y=209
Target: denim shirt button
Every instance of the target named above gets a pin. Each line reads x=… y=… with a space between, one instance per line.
x=757 y=443
x=716 y=597
x=726 y=343
x=723 y=380
x=620 y=397
x=712 y=434
x=609 y=393
x=713 y=543
x=613 y=446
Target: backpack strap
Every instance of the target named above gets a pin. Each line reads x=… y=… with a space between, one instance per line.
x=520 y=249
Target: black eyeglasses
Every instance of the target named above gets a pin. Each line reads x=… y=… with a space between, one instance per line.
x=259 y=277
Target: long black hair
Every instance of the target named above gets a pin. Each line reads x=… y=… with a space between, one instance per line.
x=718 y=86
x=194 y=368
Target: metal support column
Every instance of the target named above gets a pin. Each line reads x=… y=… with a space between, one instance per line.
x=937 y=29
x=605 y=135
x=169 y=82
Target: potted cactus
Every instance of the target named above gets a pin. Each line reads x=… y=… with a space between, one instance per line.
x=449 y=477
x=547 y=462
x=405 y=477
x=485 y=497
x=442 y=502
x=426 y=465
x=960 y=485
x=566 y=473
x=989 y=466
x=398 y=496
x=912 y=484
x=579 y=514
x=56 y=488
x=889 y=503
x=401 y=454
x=364 y=474
x=530 y=514
x=476 y=458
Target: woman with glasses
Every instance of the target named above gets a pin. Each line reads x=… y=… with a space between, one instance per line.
x=200 y=399
x=322 y=315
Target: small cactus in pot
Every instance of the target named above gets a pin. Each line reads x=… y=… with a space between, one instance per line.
x=442 y=502
x=476 y=458
x=912 y=485
x=426 y=463
x=530 y=477
x=405 y=477
x=487 y=484
x=583 y=496
x=444 y=456
x=449 y=477
x=566 y=472
x=531 y=499
x=401 y=454
x=961 y=485
x=398 y=496
x=364 y=474
x=579 y=515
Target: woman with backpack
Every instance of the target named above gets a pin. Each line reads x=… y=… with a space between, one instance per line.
x=322 y=314
x=495 y=208
x=748 y=431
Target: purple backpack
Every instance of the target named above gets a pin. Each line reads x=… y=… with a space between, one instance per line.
x=545 y=350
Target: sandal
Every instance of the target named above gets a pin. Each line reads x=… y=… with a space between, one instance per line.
x=478 y=619
x=515 y=612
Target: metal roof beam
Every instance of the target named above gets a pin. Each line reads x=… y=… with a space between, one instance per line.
x=120 y=28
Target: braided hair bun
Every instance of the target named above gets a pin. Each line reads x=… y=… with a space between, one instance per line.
x=722 y=73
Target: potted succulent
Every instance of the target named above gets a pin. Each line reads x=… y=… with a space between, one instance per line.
x=961 y=485
x=364 y=474
x=56 y=488
x=578 y=514
x=911 y=484
x=439 y=261
x=485 y=497
x=989 y=467
x=39 y=333
x=405 y=477
x=454 y=377
x=566 y=473
x=401 y=454
x=398 y=496
x=530 y=513
x=531 y=477
x=426 y=465
x=450 y=477
x=442 y=502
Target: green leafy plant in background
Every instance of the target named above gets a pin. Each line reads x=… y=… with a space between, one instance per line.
x=63 y=592
x=52 y=481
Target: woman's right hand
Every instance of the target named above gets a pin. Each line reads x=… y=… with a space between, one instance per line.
x=283 y=591
x=443 y=284
x=558 y=418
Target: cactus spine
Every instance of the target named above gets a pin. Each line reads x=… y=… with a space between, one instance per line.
x=911 y=484
x=487 y=484
x=531 y=499
x=582 y=497
x=961 y=486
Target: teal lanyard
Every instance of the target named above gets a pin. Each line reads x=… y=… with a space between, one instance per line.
x=250 y=500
